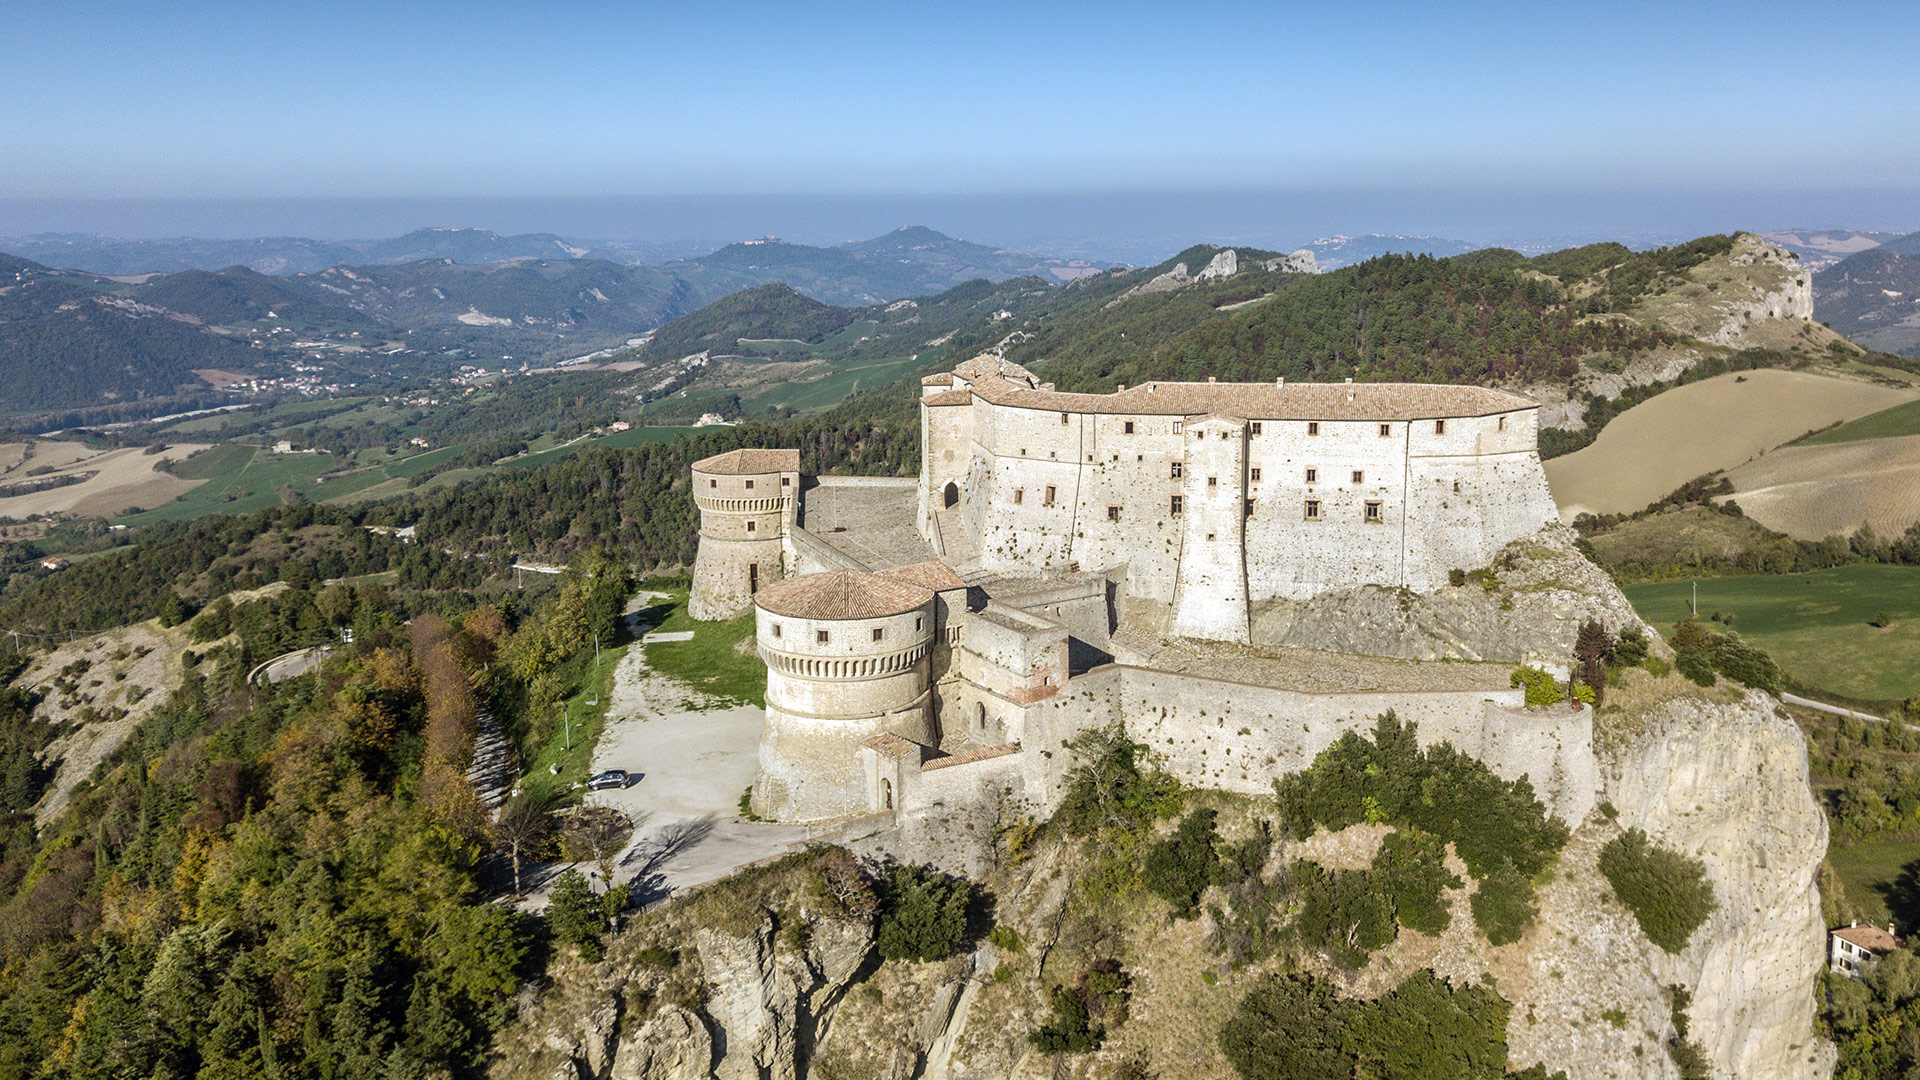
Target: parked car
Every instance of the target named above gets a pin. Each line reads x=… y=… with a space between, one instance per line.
x=612 y=778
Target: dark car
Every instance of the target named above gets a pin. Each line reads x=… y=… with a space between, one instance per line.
x=612 y=778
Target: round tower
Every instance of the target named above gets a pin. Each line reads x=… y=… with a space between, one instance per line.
x=747 y=500
x=846 y=656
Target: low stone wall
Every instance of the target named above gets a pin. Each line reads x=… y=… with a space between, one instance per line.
x=808 y=554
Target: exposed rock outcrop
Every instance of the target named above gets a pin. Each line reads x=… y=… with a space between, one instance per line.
x=1528 y=605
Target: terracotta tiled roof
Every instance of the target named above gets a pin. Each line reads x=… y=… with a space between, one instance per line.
x=949 y=397
x=1868 y=937
x=892 y=745
x=842 y=594
x=944 y=378
x=1009 y=384
x=932 y=574
x=750 y=462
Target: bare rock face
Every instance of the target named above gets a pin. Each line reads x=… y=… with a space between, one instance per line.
x=672 y=1045
x=1528 y=605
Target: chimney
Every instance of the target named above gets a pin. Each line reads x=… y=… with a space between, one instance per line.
x=1281 y=381
x=1209 y=380
x=1149 y=388
x=1349 y=382
x=1122 y=390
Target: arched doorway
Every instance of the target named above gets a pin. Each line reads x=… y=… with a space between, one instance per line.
x=979 y=717
x=886 y=794
x=951 y=496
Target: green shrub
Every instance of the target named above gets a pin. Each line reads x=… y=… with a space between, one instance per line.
x=1544 y=689
x=1745 y=664
x=1006 y=939
x=1294 y=1027
x=1631 y=647
x=1411 y=871
x=575 y=914
x=923 y=913
x=1342 y=912
x=1108 y=788
x=1503 y=906
x=1288 y=1027
x=1695 y=664
x=1084 y=1013
x=1668 y=893
x=1881 y=619
x=1179 y=868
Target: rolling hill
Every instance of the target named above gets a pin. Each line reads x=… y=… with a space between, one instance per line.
x=1874 y=297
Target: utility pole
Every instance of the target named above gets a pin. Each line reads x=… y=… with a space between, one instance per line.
x=567 y=715
x=1696 y=600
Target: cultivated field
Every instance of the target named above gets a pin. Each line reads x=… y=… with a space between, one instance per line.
x=1814 y=624
x=1814 y=491
x=120 y=478
x=1703 y=427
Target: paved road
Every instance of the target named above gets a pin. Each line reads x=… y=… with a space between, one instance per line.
x=289 y=665
x=1796 y=699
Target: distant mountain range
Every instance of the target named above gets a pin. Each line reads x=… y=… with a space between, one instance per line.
x=1821 y=248
x=75 y=338
x=1332 y=252
x=1873 y=297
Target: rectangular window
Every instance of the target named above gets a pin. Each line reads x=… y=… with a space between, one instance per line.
x=1049 y=494
x=1503 y=423
x=1113 y=513
x=1178 y=505
x=1386 y=430
x=786 y=481
x=1019 y=496
x=1313 y=509
x=1313 y=476
x=1313 y=427
x=1256 y=475
x=1177 y=470
x=749 y=485
x=753 y=577
x=1127 y=427
x=1359 y=477
x=749 y=526
x=713 y=483
x=1213 y=481
x=1249 y=507
x=1456 y=487
x=819 y=637
x=878 y=633
x=1178 y=427
x=1063 y=418
x=776 y=629
x=1256 y=427
x=917 y=620
x=1373 y=510
x=1439 y=427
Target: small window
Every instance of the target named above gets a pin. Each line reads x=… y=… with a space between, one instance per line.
x=1019 y=496
x=1049 y=494
x=1177 y=470
x=1256 y=475
x=1313 y=427
x=1313 y=509
x=917 y=620
x=1209 y=538
x=1456 y=487
x=1359 y=477
x=1179 y=504
x=1386 y=430
x=879 y=633
x=1127 y=427
x=1256 y=427
x=1503 y=423
x=1313 y=476
x=713 y=483
x=776 y=629
x=1178 y=427
x=1373 y=510
x=1213 y=481
x=1439 y=427
x=749 y=485
x=1063 y=418
x=1223 y=436
x=749 y=526
x=1249 y=507
x=819 y=637
x=786 y=481
x=1113 y=513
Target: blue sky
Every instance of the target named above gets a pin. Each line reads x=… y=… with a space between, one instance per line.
x=566 y=99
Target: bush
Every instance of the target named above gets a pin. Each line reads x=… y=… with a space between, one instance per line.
x=1745 y=664
x=1342 y=912
x=1668 y=893
x=1179 y=868
x=1411 y=871
x=1631 y=647
x=1544 y=689
x=1293 y=1027
x=1503 y=906
x=1881 y=619
x=1108 y=789
x=1288 y=1027
x=575 y=914
x=1083 y=1014
x=923 y=913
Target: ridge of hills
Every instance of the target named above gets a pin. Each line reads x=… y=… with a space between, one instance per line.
x=1874 y=296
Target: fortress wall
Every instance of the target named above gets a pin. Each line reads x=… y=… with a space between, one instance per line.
x=946 y=448
x=1291 y=556
x=808 y=554
x=1468 y=508
x=813 y=770
x=1210 y=594
x=723 y=574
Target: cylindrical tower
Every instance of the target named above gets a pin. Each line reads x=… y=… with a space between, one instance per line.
x=747 y=500
x=846 y=656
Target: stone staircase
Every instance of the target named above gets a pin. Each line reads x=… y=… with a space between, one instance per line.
x=493 y=772
x=956 y=547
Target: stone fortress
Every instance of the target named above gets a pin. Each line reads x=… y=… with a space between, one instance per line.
x=1067 y=561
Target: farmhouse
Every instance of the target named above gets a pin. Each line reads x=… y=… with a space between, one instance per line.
x=1068 y=561
x=1852 y=949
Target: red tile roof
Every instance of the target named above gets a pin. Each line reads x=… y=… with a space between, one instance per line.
x=750 y=463
x=842 y=594
x=932 y=574
x=1868 y=937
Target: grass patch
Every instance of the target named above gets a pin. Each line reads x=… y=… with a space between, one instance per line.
x=406 y=468
x=1873 y=874
x=1814 y=625
x=240 y=479
x=1885 y=424
x=595 y=682
x=710 y=661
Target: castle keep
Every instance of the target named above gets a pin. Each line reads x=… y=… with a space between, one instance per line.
x=1065 y=561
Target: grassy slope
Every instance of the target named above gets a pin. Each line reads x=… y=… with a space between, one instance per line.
x=710 y=662
x=240 y=479
x=1887 y=423
x=1814 y=624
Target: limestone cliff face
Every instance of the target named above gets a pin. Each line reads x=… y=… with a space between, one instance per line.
x=1724 y=782
x=1540 y=590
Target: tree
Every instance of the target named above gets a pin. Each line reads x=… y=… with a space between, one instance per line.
x=1179 y=868
x=923 y=914
x=1288 y=1028
x=596 y=834
x=1594 y=649
x=575 y=914
x=524 y=828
